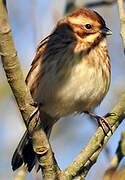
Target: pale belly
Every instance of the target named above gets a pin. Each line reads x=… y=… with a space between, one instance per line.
x=82 y=91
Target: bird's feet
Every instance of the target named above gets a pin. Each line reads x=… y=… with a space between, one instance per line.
x=35 y=112
x=102 y=120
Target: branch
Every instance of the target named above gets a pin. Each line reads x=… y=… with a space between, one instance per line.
x=12 y=66
x=122 y=20
x=120 y=153
x=88 y=156
x=22 y=95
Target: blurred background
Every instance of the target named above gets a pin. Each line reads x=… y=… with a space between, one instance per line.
x=31 y=21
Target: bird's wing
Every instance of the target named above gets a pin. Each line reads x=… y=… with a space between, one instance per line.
x=35 y=62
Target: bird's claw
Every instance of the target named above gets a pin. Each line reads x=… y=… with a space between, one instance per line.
x=35 y=112
x=102 y=120
x=109 y=114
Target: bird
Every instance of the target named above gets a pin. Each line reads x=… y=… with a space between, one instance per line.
x=70 y=73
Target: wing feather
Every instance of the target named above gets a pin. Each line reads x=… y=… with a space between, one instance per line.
x=36 y=62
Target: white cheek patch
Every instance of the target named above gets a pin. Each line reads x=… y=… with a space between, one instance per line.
x=90 y=37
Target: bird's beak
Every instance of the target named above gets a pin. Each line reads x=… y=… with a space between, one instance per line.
x=106 y=31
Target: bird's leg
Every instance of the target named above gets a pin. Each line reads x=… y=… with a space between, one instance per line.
x=101 y=120
x=36 y=111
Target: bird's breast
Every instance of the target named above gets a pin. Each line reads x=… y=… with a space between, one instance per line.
x=78 y=85
x=81 y=88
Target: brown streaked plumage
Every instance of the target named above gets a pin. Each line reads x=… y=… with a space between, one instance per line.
x=70 y=73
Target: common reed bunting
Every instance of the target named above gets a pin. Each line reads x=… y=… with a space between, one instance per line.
x=70 y=74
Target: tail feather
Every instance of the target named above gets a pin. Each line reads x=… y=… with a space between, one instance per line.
x=24 y=153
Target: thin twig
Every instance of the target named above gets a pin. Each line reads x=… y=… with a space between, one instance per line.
x=120 y=153
x=122 y=20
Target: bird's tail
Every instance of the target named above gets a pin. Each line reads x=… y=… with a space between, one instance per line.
x=24 y=152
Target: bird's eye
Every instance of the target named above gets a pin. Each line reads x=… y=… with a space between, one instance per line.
x=88 y=26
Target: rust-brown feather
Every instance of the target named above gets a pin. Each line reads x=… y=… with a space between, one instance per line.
x=93 y=15
x=40 y=51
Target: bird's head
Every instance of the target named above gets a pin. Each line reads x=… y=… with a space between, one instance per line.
x=88 y=25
